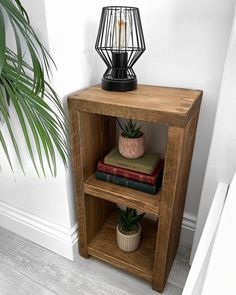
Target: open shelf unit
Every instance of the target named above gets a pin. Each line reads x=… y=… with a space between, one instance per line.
x=93 y=113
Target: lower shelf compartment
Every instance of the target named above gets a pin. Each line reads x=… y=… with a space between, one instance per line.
x=139 y=262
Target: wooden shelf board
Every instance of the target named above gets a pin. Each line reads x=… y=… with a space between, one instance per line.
x=139 y=262
x=170 y=106
x=122 y=195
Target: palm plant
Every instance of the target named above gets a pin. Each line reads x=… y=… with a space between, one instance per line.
x=24 y=87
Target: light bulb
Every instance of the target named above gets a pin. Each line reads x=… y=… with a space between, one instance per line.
x=122 y=30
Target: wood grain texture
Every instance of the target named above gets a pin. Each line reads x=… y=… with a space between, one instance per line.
x=77 y=164
x=139 y=262
x=13 y=282
x=93 y=135
x=123 y=195
x=63 y=277
x=97 y=211
x=175 y=180
x=170 y=106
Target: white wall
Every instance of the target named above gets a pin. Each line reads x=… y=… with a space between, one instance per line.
x=186 y=44
x=221 y=163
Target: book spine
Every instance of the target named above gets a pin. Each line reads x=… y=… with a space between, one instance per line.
x=126 y=173
x=130 y=166
x=147 y=188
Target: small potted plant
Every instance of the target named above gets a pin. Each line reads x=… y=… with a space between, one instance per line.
x=131 y=140
x=128 y=230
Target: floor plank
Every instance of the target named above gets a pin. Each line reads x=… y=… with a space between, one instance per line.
x=180 y=267
x=13 y=282
x=84 y=276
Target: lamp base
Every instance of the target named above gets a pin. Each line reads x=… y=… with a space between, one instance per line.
x=117 y=85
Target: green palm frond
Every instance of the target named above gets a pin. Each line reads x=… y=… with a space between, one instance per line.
x=23 y=86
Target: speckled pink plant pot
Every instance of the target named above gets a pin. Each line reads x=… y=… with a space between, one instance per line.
x=131 y=148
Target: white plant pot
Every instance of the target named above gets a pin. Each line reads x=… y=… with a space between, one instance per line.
x=128 y=243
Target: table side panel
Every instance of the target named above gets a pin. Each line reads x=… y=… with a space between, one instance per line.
x=178 y=161
x=78 y=173
x=92 y=137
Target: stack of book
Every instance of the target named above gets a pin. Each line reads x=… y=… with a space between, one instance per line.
x=143 y=174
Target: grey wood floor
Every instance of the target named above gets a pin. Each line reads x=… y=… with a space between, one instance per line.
x=28 y=269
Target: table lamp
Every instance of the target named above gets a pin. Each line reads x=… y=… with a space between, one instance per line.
x=120 y=42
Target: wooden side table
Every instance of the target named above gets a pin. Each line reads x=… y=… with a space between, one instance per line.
x=93 y=113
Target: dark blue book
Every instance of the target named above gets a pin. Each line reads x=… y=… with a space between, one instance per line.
x=144 y=187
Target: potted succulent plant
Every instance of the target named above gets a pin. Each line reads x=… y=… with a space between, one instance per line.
x=131 y=140
x=128 y=230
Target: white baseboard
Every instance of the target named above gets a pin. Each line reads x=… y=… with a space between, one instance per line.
x=59 y=239
x=188 y=228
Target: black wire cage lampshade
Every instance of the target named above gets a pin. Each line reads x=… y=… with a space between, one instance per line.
x=120 y=42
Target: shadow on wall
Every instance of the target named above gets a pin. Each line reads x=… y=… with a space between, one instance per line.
x=92 y=67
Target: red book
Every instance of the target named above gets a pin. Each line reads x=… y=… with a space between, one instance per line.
x=138 y=176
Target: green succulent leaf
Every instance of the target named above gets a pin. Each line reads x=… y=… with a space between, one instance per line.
x=129 y=218
x=129 y=129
